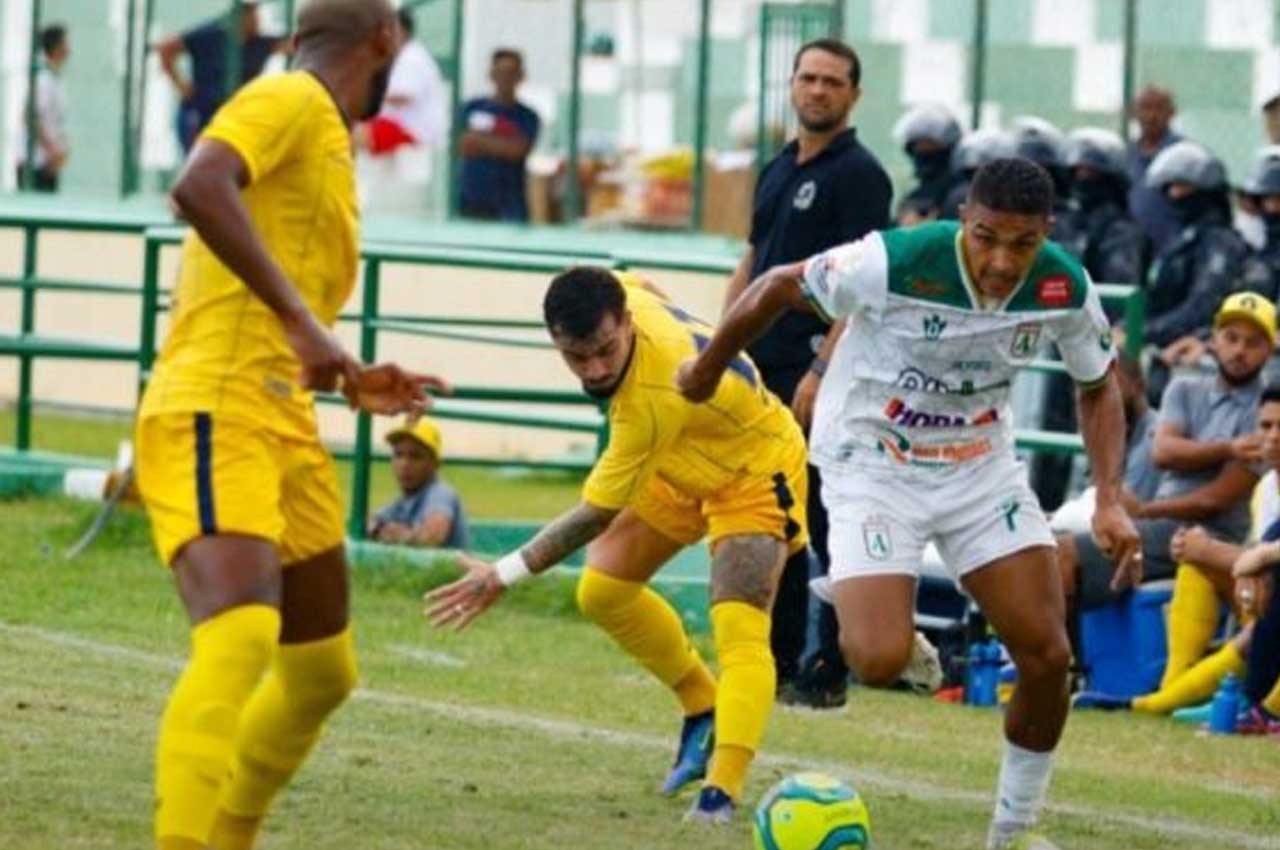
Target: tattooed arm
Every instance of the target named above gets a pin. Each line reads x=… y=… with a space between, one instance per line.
x=459 y=603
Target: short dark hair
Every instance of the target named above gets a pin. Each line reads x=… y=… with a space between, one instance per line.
x=834 y=46
x=52 y=37
x=1270 y=393
x=406 y=20
x=578 y=300
x=1013 y=185
x=506 y=53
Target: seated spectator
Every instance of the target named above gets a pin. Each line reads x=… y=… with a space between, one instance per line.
x=1199 y=267
x=497 y=134
x=1257 y=583
x=1207 y=449
x=428 y=512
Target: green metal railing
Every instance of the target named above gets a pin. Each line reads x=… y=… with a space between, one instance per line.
x=465 y=403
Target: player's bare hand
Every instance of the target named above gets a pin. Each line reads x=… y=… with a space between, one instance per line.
x=389 y=390
x=805 y=396
x=1188 y=543
x=325 y=363
x=1255 y=559
x=694 y=382
x=1248 y=448
x=1118 y=539
x=456 y=605
x=1184 y=351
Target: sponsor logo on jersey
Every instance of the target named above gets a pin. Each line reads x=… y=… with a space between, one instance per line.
x=877 y=539
x=1026 y=338
x=912 y=378
x=920 y=286
x=901 y=450
x=972 y=365
x=900 y=413
x=805 y=194
x=933 y=327
x=1054 y=291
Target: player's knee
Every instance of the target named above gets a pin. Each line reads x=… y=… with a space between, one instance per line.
x=1048 y=660
x=599 y=595
x=319 y=676
x=878 y=663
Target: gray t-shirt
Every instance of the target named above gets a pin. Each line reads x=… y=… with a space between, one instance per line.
x=1140 y=473
x=437 y=497
x=1207 y=410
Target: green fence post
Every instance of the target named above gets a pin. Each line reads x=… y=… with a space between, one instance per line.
x=364 y=426
x=573 y=179
x=979 y=66
x=128 y=157
x=1130 y=64
x=22 y=439
x=1135 y=320
x=147 y=319
x=455 y=108
x=700 y=113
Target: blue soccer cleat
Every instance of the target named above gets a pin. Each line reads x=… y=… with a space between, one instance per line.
x=697 y=737
x=1101 y=701
x=712 y=806
x=1196 y=714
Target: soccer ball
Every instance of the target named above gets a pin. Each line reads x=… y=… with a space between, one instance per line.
x=811 y=811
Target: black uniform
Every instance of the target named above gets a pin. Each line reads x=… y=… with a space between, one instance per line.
x=800 y=210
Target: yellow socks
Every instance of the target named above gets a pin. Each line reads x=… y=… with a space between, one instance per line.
x=1195 y=685
x=648 y=629
x=229 y=653
x=279 y=725
x=747 y=681
x=1193 y=616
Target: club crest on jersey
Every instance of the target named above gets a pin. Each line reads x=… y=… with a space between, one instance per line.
x=933 y=327
x=1054 y=291
x=876 y=538
x=805 y=194
x=1026 y=339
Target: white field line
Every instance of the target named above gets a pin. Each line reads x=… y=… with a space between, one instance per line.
x=1212 y=836
x=427 y=656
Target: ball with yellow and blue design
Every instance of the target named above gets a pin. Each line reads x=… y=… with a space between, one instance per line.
x=811 y=811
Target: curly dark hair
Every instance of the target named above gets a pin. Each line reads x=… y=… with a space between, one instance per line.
x=1014 y=185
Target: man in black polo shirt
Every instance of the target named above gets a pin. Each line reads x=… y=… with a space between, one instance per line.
x=822 y=190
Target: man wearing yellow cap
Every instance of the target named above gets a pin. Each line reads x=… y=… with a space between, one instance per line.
x=428 y=512
x=1210 y=456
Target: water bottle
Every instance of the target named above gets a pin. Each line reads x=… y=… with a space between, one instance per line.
x=984 y=667
x=973 y=673
x=1225 y=707
x=991 y=672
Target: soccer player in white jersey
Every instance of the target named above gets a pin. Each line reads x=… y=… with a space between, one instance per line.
x=912 y=431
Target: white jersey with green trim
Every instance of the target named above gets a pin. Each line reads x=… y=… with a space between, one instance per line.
x=921 y=377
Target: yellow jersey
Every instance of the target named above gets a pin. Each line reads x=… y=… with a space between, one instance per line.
x=226 y=352
x=699 y=449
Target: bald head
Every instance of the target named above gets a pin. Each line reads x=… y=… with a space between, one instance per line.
x=327 y=25
x=1154 y=108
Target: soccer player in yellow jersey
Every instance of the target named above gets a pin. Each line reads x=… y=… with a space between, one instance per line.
x=242 y=497
x=732 y=471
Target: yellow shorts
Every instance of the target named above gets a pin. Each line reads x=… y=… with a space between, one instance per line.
x=774 y=505
x=201 y=474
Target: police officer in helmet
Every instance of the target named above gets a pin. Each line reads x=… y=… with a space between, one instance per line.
x=928 y=134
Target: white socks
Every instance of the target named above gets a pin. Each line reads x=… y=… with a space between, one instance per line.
x=1024 y=779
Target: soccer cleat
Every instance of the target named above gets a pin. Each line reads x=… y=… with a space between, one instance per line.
x=818 y=698
x=711 y=806
x=923 y=673
x=1101 y=701
x=1255 y=721
x=697 y=737
x=1024 y=840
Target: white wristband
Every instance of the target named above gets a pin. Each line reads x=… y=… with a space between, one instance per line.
x=512 y=568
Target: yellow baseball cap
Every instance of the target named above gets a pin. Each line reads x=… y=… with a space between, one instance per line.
x=1251 y=306
x=424 y=431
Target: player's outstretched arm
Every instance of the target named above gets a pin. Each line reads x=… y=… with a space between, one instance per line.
x=459 y=603
x=1103 y=429
x=777 y=290
x=207 y=194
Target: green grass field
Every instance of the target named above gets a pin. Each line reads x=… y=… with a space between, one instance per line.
x=529 y=731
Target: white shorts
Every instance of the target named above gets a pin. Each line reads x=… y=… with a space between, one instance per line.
x=880 y=522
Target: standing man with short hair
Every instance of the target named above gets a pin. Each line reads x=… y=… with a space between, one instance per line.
x=498 y=132
x=1154 y=110
x=206 y=46
x=822 y=189
x=913 y=434
x=49 y=151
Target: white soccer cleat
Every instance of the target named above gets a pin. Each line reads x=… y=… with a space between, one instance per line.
x=923 y=672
